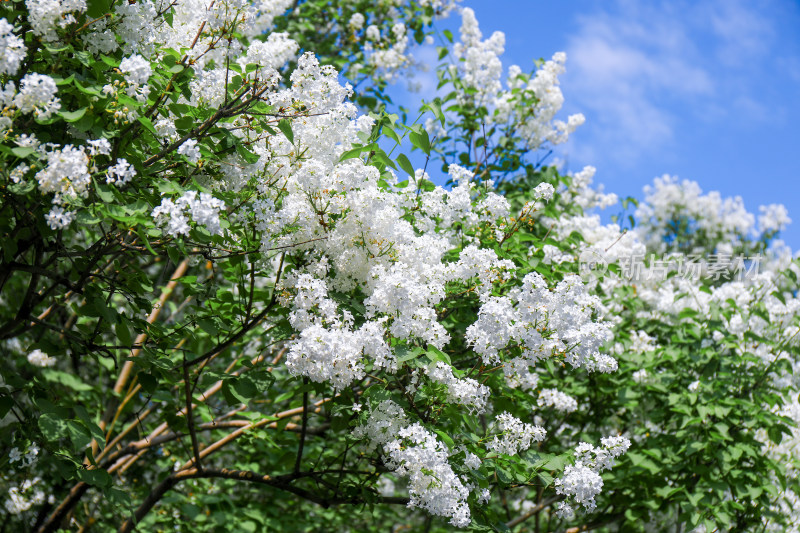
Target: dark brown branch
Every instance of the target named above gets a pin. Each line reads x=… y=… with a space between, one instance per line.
x=535 y=511
x=245 y=328
x=279 y=482
x=190 y=417
x=303 y=430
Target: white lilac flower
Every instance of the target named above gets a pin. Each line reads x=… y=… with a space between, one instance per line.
x=99 y=147
x=203 y=209
x=543 y=191
x=136 y=70
x=58 y=218
x=12 y=49
x=513 y=436
x=190 y=150
x=166 y=129
x=544 y=323
x=557 y=400
x=24 y=496
x=37 y=94
x=18 y=173
x=39 y=358
x=66 y=174
x=413 y=452
x=564 y=510
x=464 y=391
x=14 y=455
x=373 y=33
x=356 y=21
x=773 y=217
x=47 y=15
x=121 y=173
x=580 y=483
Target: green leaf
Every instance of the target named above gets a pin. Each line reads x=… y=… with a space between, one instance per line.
x=22 y=151
x=148 y=124
x=238 y=391
x=72 y=116
x=110 y=61
x=208 y=325
x=52 y=426
x=98 y=8
x=421 y=140
x=436 y=109
x=381 y=157
x=78 y=434
x=286 y=127
x=447 y=439
x=435 y=354
x=245 y=387
x=68 y=380
x=123 y=333
x=148 y=382
x=355 y=152
x=556 y=464
x=403 y=353
x=6 y=403
x=95 y=477
x=391 y=134
x=405 y=164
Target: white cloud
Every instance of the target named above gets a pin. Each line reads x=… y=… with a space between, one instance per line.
x=639 y=71
x=743 y=33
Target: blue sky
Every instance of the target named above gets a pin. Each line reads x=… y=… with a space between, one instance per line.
x=704 y=90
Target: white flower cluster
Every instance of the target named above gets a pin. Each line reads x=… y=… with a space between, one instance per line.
x=356 y=21
x=37 y=95
x=480 y=71
x=190 y=150
x=46 y=15
x=355 y=230
x=38 y=358
x=669 y=203
x=120 y=173
x=57 y=218
x=328 y=348
x=333 y=354
x=480 y=67
x=99 y=147
x=141 y=30
x=387 y=56
x=25 y=460
x=23 y=497
x=512 y=435
x=66 y=175
x=465 y=391
x=137 y=72
x=773 y=218
x=557 y=400
x=581 y=192
x=12 y=49
x=537 y=124
x=202 y=209
x=543 y=323
x=413 y=452
x=581 y=482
